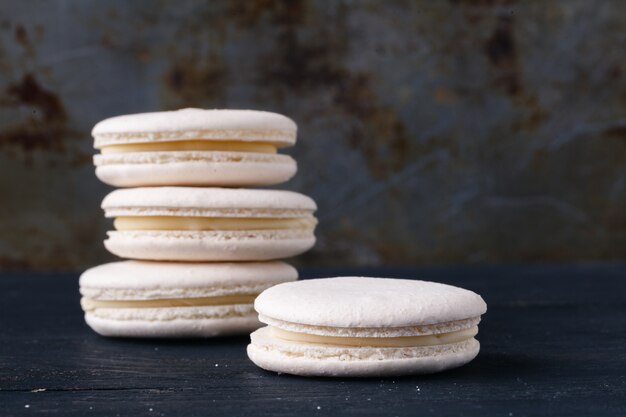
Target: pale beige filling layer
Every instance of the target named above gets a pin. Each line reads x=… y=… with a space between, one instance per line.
x=403 y=341
x=191 y=145
x=89 y=304
x=210 y=223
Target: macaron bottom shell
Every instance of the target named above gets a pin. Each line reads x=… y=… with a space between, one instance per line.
x=331 y=361
x=220 y=169
x=177 y=328
x=198 y=246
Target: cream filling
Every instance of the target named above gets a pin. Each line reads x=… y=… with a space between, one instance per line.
x=402 y=341
x=191 y=145
x=416 y=330
x=89 y=304
x=210 y=223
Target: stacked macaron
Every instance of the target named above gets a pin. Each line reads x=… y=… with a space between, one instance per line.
x=199 y=253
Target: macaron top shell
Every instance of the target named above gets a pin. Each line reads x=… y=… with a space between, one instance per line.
x=362 y=302
x=193 y=201
x=142 y=274
x=196 y=124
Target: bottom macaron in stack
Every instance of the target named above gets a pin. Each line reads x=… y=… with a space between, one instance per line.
x=177 y=299
x=357 y=326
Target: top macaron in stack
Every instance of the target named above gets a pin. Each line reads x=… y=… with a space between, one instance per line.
x=194 y=147
x=180 y=161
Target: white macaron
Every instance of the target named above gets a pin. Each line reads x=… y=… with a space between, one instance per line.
x=357 y=326
x=194 y=147
x=209 y=224
x=158 y=299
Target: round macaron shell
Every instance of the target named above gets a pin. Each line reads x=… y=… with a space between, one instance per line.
x=195 y=201
x=178 y=328
x=209 y=246
x=196 y=124
x=193 y=168
x=149 y=280
x=422 y=361
x=363 y=302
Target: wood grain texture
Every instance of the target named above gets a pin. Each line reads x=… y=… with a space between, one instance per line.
x=553 y=343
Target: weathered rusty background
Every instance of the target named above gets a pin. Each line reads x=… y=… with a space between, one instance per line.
x=430 y=132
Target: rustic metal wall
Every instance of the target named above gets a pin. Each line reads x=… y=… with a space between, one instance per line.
x=461 y=131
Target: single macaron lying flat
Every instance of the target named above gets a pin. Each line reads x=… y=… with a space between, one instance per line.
x=209 y=224
x=158 y=299
x=194 y=147
x=357 y=326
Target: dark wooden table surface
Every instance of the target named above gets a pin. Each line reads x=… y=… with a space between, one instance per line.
x=553 y=343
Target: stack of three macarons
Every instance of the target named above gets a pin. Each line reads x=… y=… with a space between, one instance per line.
x=199 y=249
